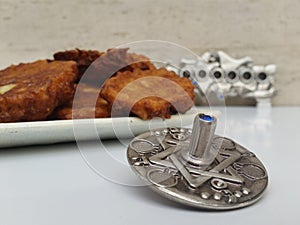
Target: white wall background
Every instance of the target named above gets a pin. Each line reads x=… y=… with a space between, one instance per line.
x=266 y=30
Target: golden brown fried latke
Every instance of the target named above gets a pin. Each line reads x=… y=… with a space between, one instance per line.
x=83 y=58
x=113 y=61
x=148 y=94
x=31 y=91
x=87 y=104
x=136 y=61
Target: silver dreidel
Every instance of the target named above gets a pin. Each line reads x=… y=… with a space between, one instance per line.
x=200 y=151
x=195 y=167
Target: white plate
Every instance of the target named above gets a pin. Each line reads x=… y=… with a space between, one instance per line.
x=49 y=132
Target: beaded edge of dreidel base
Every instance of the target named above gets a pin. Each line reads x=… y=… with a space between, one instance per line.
x=235 y=179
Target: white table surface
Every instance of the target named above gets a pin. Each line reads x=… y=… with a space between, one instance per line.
x=53 y=184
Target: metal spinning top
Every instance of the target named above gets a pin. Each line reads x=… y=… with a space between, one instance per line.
x=198 y=168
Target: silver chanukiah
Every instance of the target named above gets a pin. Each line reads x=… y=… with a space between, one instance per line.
x=219 y=74
x=195 y=167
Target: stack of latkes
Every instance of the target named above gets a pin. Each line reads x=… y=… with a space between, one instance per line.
x=79 y=84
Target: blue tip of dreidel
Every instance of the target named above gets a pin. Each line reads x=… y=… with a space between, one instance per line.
x=206 y=117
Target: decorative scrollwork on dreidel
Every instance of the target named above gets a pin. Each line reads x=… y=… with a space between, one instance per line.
x=198 y=168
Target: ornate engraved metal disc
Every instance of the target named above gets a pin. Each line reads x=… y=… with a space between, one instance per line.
x=236 y=178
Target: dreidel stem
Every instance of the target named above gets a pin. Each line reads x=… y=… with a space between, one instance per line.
x=200 y=148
